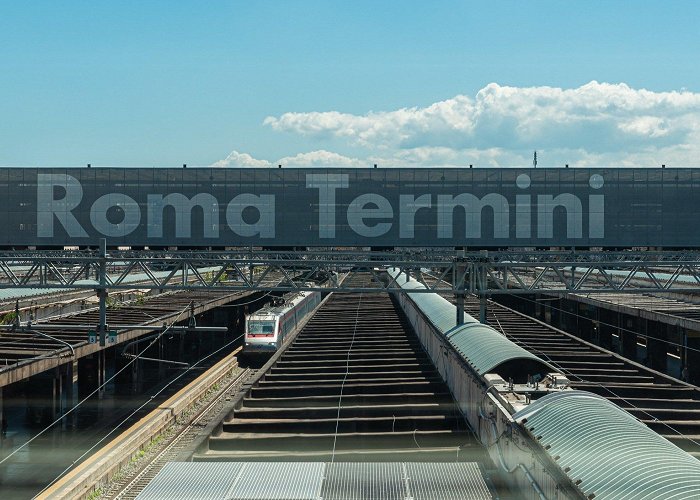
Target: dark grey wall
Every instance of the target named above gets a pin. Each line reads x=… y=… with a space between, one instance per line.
x=380 y=207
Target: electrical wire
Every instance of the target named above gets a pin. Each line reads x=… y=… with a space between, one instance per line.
x=581 y=379
x=554 y=363
x=246 y=303
x=573 y=376
x=621 y=328
x=128 y=364
x=342 y=385
x=47 y=355
x=126 y=419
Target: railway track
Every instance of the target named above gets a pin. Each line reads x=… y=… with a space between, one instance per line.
x=19 y=347
x=355 y=385
x=132 y=482
x=666 y=405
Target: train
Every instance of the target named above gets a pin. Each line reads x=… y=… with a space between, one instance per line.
x=267 y=328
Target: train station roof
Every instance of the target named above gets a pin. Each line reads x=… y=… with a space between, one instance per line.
x=314 y=480
x=606 y=451
x=482 y=346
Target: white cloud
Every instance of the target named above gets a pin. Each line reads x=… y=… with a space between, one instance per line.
x=236 y=159
x=311 y=159
x=596 y=122
x=321 y=158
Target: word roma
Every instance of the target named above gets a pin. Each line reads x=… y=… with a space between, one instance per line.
x=366 y=214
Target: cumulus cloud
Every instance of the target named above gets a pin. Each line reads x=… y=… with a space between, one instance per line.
x=500 y=123
x=236 y=159
x=597 y=124
x=316 y=158
x=321 y=158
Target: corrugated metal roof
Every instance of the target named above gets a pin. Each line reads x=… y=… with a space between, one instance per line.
x=439 y=311
x=611 y=453
x=317 y=480
x=278 y=481
x=359 y=481
x=483 y=347
x=192 y=481
x=446 y=481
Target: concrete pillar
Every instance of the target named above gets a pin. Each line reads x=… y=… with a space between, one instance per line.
x=56 y=394
x=628 y=336
x=657 y=348
x=2 y=417
x=87 y=375
x=693 y=357
x=101 y=371
x=135 y=375
x=618 y=331
x=161 y=355
x=482 y=309
x=181 y=347
x=67 y=381
x=606 y=327
x=684 y=354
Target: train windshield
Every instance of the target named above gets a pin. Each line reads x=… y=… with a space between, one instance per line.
x=257 y=327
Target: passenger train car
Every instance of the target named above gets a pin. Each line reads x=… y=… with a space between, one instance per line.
x=267 y=328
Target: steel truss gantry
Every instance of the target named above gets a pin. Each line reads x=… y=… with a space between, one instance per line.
x=478 y=272
x=482 y=273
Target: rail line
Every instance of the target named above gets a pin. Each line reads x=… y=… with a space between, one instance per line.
x=394 y=405
x=666 y=405
x=131 y=484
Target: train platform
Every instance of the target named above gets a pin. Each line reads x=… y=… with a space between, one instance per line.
x=354 y=385
x=27 y=353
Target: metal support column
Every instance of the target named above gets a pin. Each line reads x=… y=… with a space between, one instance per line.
x=482 y=286
x=458 y=280
x=684 y=355
x=482 y=308
x=102 y=293
x=460 y=307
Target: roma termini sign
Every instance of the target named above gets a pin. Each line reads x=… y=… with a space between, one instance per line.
x=480 y=207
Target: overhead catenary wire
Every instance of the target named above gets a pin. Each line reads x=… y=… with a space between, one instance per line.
x=86 y=398
x=620 y=328
x=34 y=333
x=239 y=304
x=625 y=400
x=342 y=385
x=135 y=411
x=581 y=379
x=149 y=400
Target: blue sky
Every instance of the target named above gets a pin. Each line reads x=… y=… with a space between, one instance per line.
x=318 y=82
